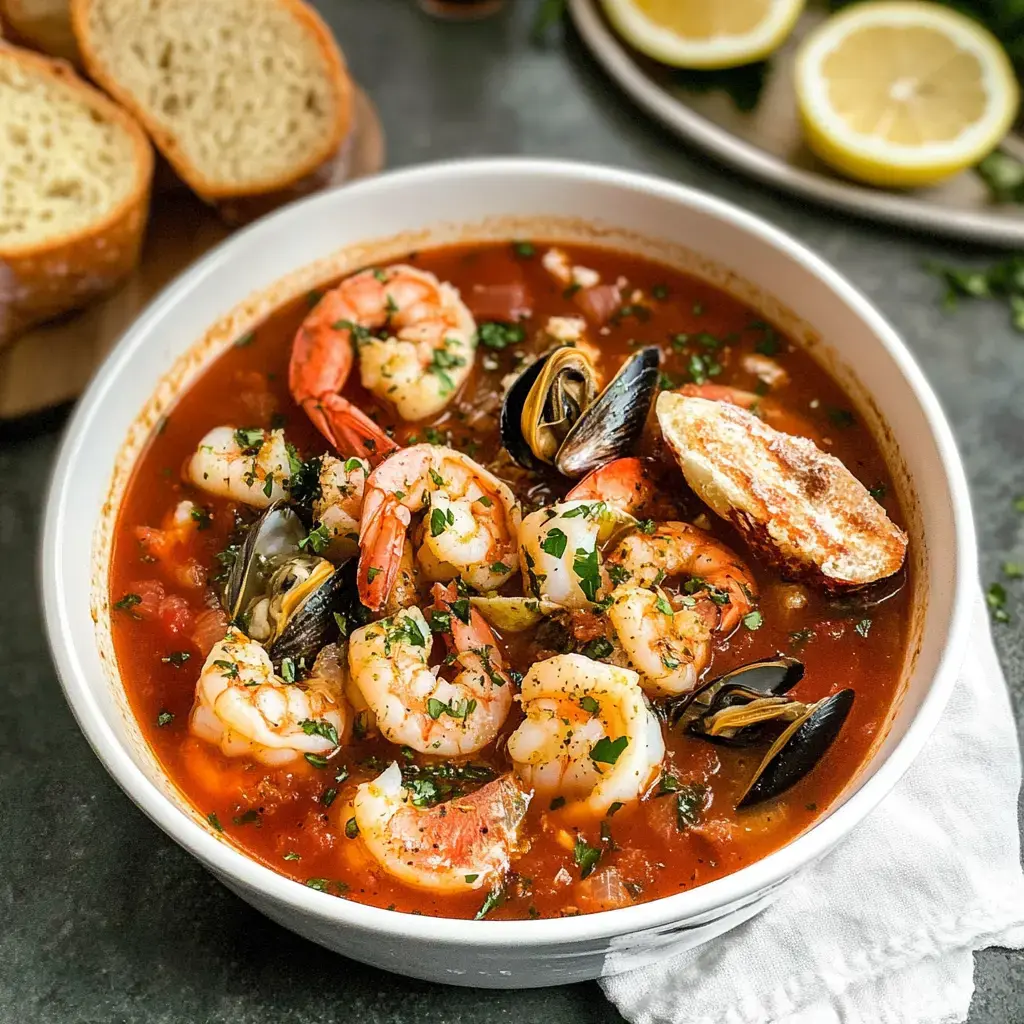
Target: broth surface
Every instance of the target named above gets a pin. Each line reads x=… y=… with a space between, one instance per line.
x=293 y=819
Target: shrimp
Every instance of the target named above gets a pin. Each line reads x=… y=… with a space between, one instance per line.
x=458 y=846
x=768 y=409
x=800 y=508
x=625 y=483
x=589 y=734
x=170 y=543
x=470 y=531
x=248 y=711
x=719 y=580
x=249 y=465
x=416 y=341
x=415 y=705
x=560 y=551
x=668 y=646
x=340 y=504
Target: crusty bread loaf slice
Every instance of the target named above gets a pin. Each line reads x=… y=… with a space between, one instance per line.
x=75 y=173
x=43 y=25
x=243 y=97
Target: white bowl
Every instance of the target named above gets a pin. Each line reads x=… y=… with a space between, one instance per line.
x=322 y=236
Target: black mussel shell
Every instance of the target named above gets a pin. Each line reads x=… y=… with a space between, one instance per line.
x=275 y=534
x=313 y=625
x=511 y=421
x=763 y=678
x=798 y=749
x=610 y=427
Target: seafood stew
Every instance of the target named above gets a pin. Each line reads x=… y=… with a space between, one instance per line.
x=511 y=581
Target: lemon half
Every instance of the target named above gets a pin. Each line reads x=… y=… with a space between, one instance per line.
x=903 y=94
x=704 y=33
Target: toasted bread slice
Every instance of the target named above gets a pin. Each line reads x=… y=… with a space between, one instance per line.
x=800 y=508
x=43 y=25
x=75 y=173
x=242 y=97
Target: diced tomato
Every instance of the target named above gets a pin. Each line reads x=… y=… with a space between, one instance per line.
x=509 y=301
x=208 y=628
x=174 y=615
x=599 y=303
x=152 y=593
x=169 y=545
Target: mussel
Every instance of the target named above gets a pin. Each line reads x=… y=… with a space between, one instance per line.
x=281 y=596
x=553 y=414
x=748 y=707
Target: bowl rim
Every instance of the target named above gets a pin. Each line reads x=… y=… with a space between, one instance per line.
x=228 y=862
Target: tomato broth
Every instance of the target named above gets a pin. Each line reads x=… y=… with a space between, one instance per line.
x=298 y=818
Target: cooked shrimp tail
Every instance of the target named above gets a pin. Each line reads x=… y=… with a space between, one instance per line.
x=625 y=483
x=469 y=638
x=458 y=846
x=470 y=526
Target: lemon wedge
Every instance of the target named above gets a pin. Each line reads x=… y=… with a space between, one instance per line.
x=704 y=33
x=903 y=94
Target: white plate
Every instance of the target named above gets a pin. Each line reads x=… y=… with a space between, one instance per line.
x=767 y=143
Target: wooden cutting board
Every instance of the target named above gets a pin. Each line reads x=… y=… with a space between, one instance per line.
x=52 y=364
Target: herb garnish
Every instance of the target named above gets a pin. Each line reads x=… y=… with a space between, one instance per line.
x=497 y=335
x=164 y=718
x=607 y=751
x=586 y=856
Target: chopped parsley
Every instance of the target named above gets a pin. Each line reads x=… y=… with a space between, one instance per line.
x=754 y=620
x=351 y=828
x=372 y=573
x=249 y=440
x=243 y=341
x=599 y=647
x=164 y=718
x=320 y=884
x=440 y=622
x=440 y=520
x=690 y=800
x=128 y=602
x=660 y=292
x=201 y=516
x=317 y=539
x=215 y=821
x=663 y=606
x=590 y=704
x=320 y=728
x=703 y=367
x=587 y=571
x=316 y=760
x=458 y=709
x=607 y=751
x=228 y=668
x=497 y=335
x=176 y=658
x=799 y=637
x=878 y=492
x=585 y=856
x=493 y=899
x=768 y=344
x=863 y=627
x=524 y=250
x=292 y=855
x=554 y=543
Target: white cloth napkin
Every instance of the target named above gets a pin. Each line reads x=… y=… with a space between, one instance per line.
x=882 y=930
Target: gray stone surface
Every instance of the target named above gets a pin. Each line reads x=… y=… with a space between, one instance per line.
x=105 y=919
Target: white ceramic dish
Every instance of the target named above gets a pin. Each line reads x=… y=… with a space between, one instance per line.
x=316 y=239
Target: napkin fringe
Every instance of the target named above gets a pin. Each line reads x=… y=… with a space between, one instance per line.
x=978 y=927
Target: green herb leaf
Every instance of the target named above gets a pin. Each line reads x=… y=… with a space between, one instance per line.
x=554 y=542
x=607 y=751
x=164 y=718
x=176 y=658
x=320 y=728
x=249 y=440
x=317 y=539
x=863 y=627
x=590 y=704
x=497 y=335
x=690 y=802
x=586 y=856
x=351 y=828
x=215 y=821
x=492 y=900
x=599 y=647
x=128 y=602
x=524 y=250
x=587 y=570
x=754 y=620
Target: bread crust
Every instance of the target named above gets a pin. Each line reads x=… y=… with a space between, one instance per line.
x=47 y=30
x=165 y=141
x=41 y=280
x=801 y=509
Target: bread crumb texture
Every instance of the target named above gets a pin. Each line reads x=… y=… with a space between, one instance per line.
x=242 y=89
x=63 y=165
